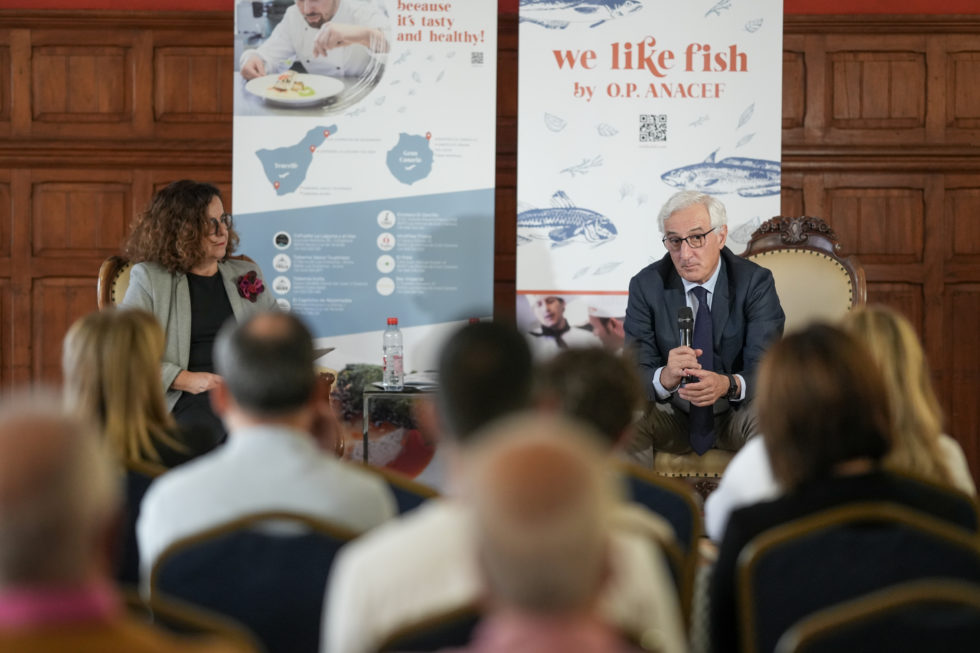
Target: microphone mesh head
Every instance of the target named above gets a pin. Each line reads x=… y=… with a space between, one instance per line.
x=685 y=315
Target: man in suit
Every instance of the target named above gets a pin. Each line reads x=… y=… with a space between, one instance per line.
x=699 y=394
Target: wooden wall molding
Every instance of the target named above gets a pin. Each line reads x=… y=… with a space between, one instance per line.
x=881 y=138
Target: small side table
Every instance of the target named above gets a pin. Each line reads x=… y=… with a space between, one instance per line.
x=372 y=392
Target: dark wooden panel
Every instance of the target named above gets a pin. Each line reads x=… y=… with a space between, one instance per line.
x=5 y=74
x=877 y=90
x=6 y=215
x=82 y=84
x=791 y=195
x=963 y=90
x=191 y=84
x=57 y=303
x=961 y=385
x=794 y=89
x=881 y=225
x=6 y=331
x=962 y=229
x=83 y=218
x=907 y=298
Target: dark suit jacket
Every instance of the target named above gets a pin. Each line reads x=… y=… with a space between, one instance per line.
x=745 y=315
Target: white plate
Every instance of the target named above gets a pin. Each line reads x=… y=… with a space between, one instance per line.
x=323 y=87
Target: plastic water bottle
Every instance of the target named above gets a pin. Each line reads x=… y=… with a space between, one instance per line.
x=394 y=370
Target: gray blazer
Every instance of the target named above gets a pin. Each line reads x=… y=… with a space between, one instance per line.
x=154 y=289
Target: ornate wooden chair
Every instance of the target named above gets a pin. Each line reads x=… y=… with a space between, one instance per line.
x=813 y=283
x=812 y=280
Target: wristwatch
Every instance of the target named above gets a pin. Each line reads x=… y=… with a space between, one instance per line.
x=732 y=388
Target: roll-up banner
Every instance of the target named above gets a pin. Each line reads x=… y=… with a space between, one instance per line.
x=363 y=175
x=622 y=103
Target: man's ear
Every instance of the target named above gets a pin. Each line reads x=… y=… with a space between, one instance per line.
x=221 y=399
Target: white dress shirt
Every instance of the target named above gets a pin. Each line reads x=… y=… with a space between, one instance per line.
x=258 y=469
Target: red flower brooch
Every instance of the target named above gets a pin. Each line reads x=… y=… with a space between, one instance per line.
x=250 y=286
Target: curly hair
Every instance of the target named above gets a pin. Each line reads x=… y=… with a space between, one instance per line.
x=171 y=231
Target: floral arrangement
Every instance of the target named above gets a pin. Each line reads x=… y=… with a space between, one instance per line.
x=250 y=286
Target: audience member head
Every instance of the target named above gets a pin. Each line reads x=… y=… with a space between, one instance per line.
x=484 y=373
x=593 y=385
x=58 y=497
x=541 y=500
x=111 y=362
x=178 y=226
x=266 y=364
x=916 y=415
x=821 y=402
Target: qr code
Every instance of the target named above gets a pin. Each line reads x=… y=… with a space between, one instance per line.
x=476 y=58
x=653 y=128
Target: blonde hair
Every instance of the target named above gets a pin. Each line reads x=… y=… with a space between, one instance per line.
x=111 y=361
x=916 y=414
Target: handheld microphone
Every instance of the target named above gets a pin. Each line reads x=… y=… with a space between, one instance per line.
x=685 y=324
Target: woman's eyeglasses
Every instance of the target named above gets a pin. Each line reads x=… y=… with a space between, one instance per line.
x=216 y=223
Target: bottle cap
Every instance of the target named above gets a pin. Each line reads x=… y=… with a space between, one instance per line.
x=392 y=320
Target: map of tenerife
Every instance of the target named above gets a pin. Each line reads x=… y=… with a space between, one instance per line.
x=411 y=158
x=286 y=167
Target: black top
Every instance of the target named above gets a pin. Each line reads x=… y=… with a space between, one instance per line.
x=745 y=524
x=210 y=309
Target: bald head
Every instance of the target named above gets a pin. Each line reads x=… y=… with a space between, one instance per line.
x=57 y=495
x=541 y=499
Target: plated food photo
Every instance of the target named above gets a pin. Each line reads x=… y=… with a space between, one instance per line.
x=295 y=89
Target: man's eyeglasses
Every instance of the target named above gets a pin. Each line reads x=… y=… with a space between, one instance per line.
x=216 y=223
x=673 y=243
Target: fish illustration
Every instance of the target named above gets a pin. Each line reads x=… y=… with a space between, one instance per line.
x=744 y=176
x=559 y=14
x=584 y=167
x=753 y=26
x=745 y=139
x=743 y=233
x=402 y=57
x=563 y=223
x=718 y=8
x=746 y=115
x=700 y=121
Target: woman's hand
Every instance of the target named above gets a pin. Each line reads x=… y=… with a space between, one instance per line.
x=195 y=382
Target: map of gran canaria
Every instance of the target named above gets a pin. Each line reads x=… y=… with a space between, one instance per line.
x=286 y=167
x=411 y=158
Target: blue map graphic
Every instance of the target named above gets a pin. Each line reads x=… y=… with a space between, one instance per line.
x=286 y=167
x=410 y=159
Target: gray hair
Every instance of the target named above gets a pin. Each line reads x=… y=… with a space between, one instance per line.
x=267 y=363
x=688 y=198
x=58 y=492
x=542 y=500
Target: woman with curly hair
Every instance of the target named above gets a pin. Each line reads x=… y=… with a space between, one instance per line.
x=183 y=275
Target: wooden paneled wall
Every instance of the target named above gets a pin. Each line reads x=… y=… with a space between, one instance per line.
x=881 y=137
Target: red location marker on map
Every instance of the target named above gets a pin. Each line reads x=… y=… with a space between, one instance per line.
x=312 y=148
x=275 y=184
x=428 y=136
x=326 y=133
